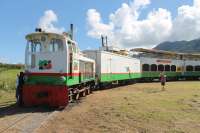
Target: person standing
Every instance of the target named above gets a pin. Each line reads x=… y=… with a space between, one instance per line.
x=20 y=82
x=162 y=80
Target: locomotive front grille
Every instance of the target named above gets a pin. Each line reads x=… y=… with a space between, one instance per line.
x=42 y=94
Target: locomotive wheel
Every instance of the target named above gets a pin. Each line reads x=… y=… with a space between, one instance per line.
x=70 y=96
x=77 y=96
x=87 y=91
x=84 y=93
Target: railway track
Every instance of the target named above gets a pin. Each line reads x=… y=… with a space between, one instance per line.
x=10 y=126
x=26 y=120
x=23 y=120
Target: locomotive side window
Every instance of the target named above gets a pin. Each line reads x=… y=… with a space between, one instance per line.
x=160 y=68
x=74 y=47
x=88 y=70
x=70 y=64
x=70 y=46
x=70 y=58
x=167 y=67
x=197 y=68
x=173 y=68
x=29 y=46
x=154 y=67
x=189 y=68
x=145 y=67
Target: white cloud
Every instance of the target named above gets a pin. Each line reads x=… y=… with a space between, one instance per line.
x=97 y=27
x=4 y=60
x=47 y=21
x=197 y=3
x=187 y=23
x=125 y=29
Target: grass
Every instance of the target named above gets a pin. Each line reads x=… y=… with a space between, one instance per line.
x=141 y=107
x=176 y=109
x=7 y=85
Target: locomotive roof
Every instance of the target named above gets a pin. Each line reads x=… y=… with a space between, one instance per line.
x=85 y=59
x=29 y=36
x=155 y=51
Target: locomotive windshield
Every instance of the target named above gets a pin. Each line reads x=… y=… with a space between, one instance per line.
x=54 y=45
x=34 y=46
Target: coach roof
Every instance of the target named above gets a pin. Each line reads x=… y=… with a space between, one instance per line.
x=155 y=51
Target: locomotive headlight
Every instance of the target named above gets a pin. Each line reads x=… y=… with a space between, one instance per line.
x=63 y=78
x=25 y=78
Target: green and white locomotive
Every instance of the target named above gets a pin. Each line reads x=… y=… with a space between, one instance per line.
x=55 y=70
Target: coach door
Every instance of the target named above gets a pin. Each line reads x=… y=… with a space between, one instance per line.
x=110 y=76
x=183 y=68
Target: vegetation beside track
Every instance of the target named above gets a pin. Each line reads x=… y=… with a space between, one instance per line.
x=141 y=107
x=8 y=75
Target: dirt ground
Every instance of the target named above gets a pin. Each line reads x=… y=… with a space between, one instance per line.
x=138 y=108
x=22 y=120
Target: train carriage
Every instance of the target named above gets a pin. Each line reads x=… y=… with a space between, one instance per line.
x=192 y=69
x=152 y=67
x=111 y=67
x=174 y=65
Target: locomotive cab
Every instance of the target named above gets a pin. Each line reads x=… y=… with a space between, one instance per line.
x=46 y=68
x=45 y=52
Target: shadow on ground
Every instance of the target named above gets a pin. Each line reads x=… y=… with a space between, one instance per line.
x=14 y=109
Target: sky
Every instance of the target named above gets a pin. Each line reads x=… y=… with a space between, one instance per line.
x=127 y=23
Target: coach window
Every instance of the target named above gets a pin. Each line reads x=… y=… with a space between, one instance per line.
x=173 y=68
x=189 y=68
x=160 y=68
x=145 y=67
x=197 y=68
x=167 y=67
x=154 y=67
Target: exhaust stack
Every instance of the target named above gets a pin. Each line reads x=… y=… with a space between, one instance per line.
x=72 y=31
x=106 y=43
x=102 y=41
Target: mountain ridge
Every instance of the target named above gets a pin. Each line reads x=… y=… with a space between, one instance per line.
x=192 y=46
